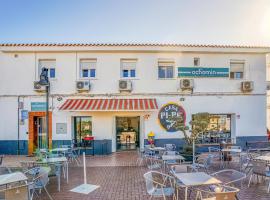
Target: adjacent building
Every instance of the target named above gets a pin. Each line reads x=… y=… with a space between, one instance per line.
x=118 y=93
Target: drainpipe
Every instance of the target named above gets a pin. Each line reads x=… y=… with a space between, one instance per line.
x=18 y=126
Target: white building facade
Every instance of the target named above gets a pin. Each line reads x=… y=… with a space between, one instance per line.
x=130 y=87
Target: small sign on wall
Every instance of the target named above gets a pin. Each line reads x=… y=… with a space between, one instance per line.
x=61 y=128
x=24 y=114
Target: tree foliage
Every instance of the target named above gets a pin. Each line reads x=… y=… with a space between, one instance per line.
x=198 y=125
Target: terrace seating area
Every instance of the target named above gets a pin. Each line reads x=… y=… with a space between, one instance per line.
x=157 y=172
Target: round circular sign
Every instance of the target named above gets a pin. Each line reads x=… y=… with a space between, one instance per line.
x=171 y=116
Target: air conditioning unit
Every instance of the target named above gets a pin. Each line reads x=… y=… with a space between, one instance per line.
x=247 y=86
x=125 y=85
x=38 y=87
x=83 y=86
x=186 y=84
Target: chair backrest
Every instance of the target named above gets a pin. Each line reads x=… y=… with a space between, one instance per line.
x=42 y=178
x=149 y=182
x=170 y=147
x=178 y=169
x=235 y=147
x=213 y=149
x=229 y=176
x=259 y=167
x=1 y=159
x=172 y=153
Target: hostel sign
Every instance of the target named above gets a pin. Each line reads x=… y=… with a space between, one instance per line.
x=201 y=72
x=171 y=115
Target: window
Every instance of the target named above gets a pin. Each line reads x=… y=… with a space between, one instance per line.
x=88 y=68
x=237 y=69
x=128 y=68
x=196 y=62
x=219 y=129
x=165 y=70
x=50 y=65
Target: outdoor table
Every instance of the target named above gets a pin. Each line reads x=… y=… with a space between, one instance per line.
x=63 y=150
x=264 y=158
x=195 y=179
x=12 y=178
x=157 y=149
x=56 y=160
x=172 y=157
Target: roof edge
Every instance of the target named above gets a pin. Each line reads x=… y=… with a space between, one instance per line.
x=125 y=45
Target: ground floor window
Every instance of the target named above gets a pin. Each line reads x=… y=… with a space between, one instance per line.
x=127 y=133
x=219 y=129
x=82 y=128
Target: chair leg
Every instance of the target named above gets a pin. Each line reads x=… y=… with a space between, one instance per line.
x=250 y=180
x=48 y=193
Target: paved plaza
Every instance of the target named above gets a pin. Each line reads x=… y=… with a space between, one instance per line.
x=120 y=178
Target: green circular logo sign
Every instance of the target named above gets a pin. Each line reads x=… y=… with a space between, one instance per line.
x=170 y=116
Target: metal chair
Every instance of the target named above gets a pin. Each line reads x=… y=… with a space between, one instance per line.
x=203 y=163
x=259 y=168
x=219 y=193
x=230 y=177
x=170 y=147
x=159 y=185
x=39 y=178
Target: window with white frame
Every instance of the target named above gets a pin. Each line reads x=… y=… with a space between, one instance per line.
x=237 y=69
x=50 y=65
x=196 y=62
x=88 y=68
x=165 y=69
x=128 y=68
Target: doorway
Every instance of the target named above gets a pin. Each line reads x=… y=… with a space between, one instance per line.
x=127 y=133
x=37 y=131
x=82 y=128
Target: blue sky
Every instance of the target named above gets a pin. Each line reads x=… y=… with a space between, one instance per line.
x=153 y=21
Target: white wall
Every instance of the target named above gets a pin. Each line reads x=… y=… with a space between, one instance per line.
x=18 y=74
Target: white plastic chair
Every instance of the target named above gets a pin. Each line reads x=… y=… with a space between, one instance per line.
x=159 y=185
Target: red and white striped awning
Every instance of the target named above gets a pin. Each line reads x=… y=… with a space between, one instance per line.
x=109 y=104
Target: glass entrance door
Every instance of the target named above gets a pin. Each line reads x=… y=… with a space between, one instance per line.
x=41 y=133
x=82 y=128
x=127 y=133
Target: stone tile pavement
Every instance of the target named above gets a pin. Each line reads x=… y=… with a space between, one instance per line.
x=120 y=178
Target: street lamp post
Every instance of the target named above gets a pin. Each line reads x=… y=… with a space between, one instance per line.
x=44 y=80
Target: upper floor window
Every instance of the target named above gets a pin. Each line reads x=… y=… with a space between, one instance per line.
x=50 y=65
x=196 y=62
x=237 y=69
x=128 y=68
x=165 y=69
x=88 y=68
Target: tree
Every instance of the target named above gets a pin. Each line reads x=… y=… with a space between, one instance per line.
x=198 y=125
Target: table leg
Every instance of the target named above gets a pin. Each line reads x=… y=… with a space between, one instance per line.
x=186 y=191
x=67 y=170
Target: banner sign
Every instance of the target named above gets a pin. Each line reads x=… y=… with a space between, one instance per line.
x=170 y=116
x=38 y=106
x=202 y=72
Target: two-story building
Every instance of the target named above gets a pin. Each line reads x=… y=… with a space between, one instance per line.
x=118 y=93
